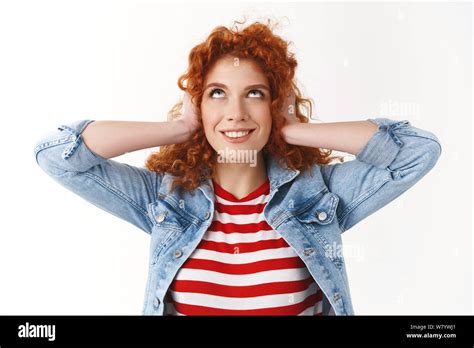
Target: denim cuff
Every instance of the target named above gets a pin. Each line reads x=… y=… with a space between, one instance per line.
x=384 y=145
x=77 y=154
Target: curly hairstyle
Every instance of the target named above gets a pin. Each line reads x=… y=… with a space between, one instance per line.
x=195 y=160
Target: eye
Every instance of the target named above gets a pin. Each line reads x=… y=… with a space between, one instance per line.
x=211 y=94
x=258 y=91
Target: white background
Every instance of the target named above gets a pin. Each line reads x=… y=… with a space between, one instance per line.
x=63 y=61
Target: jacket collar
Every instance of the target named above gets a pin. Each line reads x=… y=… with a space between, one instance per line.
x=278 y=173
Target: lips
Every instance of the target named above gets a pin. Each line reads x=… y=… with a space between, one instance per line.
x=237 y=129
x=237 y=135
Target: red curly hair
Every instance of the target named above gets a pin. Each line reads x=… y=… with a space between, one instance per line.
x=195 y=160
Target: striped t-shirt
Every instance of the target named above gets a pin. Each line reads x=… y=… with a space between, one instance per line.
x=242 y=266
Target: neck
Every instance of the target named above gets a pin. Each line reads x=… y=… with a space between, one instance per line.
x=241 y=178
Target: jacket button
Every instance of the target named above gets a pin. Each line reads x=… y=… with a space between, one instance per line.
x=178 y=253
x=207 y=215
x=337 y=296
x=161 y=217
x=308 y=251
x=156 y=302
x=322 y=216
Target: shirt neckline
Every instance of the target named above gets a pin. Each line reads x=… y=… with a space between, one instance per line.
x=223 y=193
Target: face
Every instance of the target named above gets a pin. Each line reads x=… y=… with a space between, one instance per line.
x=235 y=106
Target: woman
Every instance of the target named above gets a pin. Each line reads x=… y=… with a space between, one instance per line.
x=244 y=209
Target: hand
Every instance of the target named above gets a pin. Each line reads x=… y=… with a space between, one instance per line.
x=189 y=117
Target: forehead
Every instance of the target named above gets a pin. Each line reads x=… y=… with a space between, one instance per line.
x=232 y=70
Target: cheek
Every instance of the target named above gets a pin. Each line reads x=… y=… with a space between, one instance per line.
x=207 y=117
x=268 y=127
x=209 y=124
x=208 y=131
x=266 y=122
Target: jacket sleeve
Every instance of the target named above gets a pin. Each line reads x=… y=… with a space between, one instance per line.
x=396 y=157
x=118 y=188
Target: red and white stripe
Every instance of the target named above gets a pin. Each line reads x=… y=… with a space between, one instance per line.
x=243 y=267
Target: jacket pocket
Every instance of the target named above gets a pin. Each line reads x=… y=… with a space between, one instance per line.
x=321 y=211
x=161 y=244
x=320 y=220
x=169 y=224
x=166 y=215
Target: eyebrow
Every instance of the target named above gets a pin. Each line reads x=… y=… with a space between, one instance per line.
x=217 y=84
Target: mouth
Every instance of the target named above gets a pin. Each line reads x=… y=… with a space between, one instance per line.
x=238 y=135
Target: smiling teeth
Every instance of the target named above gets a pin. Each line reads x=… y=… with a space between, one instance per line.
x=236 y=134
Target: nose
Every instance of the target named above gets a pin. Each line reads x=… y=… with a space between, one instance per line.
x=236 y=110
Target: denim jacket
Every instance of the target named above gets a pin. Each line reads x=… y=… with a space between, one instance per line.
x=310 y=209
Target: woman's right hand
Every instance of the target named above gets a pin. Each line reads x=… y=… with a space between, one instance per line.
x=189 y=117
